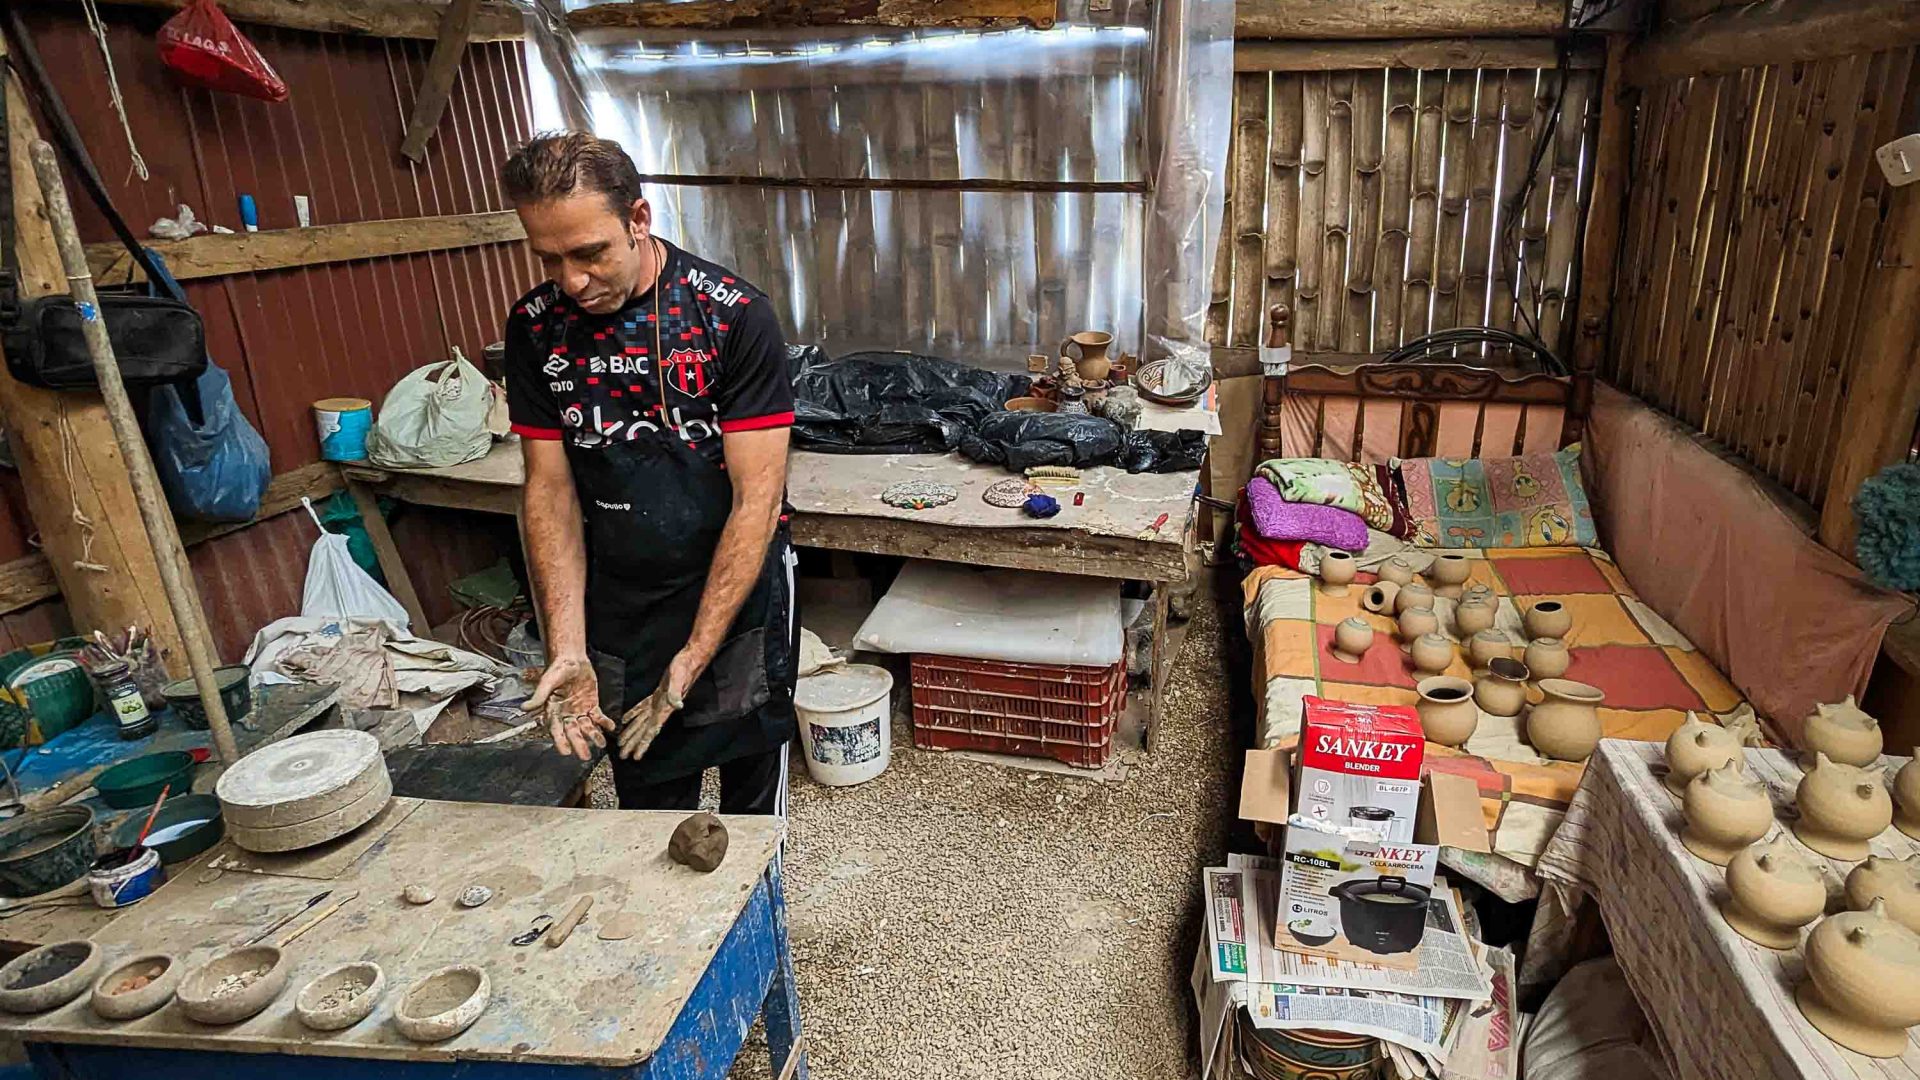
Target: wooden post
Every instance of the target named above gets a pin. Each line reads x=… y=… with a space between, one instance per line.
x=77 y=487
x=456 y=28
x=1600 y=250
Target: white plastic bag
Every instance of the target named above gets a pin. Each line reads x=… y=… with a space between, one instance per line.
x=336 y=586
x=433 y=417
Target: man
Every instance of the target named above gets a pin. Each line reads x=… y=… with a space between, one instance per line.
x=651 y=395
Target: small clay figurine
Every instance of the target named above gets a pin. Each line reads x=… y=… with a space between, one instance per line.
x=699 y=842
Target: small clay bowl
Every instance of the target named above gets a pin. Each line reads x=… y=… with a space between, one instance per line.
x=329 y=1002
x=115 y=1004
x=49 y=976
x=200 y=1001
x=1031 y=404
x=443 y=1004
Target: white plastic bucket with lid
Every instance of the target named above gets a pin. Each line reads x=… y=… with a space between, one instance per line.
x=844 y=723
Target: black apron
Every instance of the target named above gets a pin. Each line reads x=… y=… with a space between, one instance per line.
x=654 y=510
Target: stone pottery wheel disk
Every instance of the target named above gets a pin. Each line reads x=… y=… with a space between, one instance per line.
x=304 y=779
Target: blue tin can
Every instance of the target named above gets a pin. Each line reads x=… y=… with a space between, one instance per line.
x=124 y=877
x=342 y=424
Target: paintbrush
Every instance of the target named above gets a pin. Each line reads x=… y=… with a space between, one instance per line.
x=144 y=829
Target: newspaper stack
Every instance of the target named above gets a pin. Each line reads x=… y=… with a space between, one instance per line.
x=1451 y=1018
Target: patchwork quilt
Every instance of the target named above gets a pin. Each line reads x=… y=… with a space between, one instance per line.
x=1651 y=674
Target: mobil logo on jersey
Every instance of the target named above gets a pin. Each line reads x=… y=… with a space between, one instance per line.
x=686 y=371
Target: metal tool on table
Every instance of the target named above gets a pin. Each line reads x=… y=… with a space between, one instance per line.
x=283 y=920
x=540 y=925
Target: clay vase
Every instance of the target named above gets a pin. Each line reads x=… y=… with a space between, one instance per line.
x=1724 y=812
x=1093 y=364
x=1448 y=714
x=1336 y=572
x=1906 y=791
x=1471 y=616
x=1487 y=646
x=1548 y=618
x=1863 y=981
x=1379 y=597
x=1696 y=746
x=1771 y=893
x=1397 y=570
x=1415 y=623
x=1897 y=881
x=1844 y=733
x=1448 y=573
x=1352 y=638
x=1501 y=690
x=1841 y=808
x=1412 y=596
x=1547 y=658
x=1432 y=653
x=1565 y=725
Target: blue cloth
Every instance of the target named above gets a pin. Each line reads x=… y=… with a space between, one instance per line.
x=1042 y=506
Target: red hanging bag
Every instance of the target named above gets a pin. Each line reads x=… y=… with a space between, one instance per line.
x=204 y=48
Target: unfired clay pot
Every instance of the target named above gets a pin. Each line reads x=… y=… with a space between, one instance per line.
x=1897 y=881
x=1480 y=590
x=1448 y=573
x=1844 y=733
x=1416 y=622
x=1448 y=714
x=1863 y=981
x=1501 y=690
x=136 y=987
x=1396 y=570
x=1772 y=891
x=1432 y=653
x=1548 y=618
x=1336 y=572
x=1412 y=596
x=443 y=1004
x=1488 y=645
x=1547 y=658
x=1725 y=812
x=1566 y=724
x=1379 y=597
x=1470 y=616
x=1352 y=638
x=1906 y=792
x=1841 y=808
x=1696 y=746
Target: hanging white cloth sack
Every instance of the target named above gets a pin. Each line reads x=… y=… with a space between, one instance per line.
x=336 y=586
x=433 y=417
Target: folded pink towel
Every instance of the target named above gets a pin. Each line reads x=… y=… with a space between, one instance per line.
x=1277 y=519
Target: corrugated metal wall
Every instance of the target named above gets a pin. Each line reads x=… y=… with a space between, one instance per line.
x=290 y=337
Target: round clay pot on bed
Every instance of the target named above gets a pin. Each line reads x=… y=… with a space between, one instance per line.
x=1412 y=596
x=1337 y=570
x=1448 y=715
x=1487 y=646
x=1379 y=597
x=1432 y=653
x=1548 y=618
x=1566 y=724
x=1396 y=570
x=1501 y=690
x=1472 y=615
x=1547 y=658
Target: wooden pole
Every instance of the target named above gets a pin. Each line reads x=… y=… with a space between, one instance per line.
x=1600 y=249
x=171 y=557
x=1773 y=32
x=1297 y=19
x=436 y=86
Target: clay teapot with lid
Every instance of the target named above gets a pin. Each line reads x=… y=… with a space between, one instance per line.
x=1724 y=812
x=1397 y=570
x=1472 y=615
x=1863 y=981
x=1906 y=792
x=1772 y=891
x=1566 y=724
x=1696 y=746
x=1447 y=711
x=1841 y=808
x=1843 y=732
x=1897 y=881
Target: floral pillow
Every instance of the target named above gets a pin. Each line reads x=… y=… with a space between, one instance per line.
x=1368 y=490
x=1534 y=500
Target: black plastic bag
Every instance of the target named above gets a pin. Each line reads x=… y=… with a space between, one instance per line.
x=893 y=402
x=1022 y=440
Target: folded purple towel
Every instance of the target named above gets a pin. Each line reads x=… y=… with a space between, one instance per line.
x=1277 y=519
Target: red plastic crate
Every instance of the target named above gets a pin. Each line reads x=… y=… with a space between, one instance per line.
x=1059 y=711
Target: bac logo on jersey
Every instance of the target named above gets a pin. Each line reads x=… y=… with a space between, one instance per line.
x=555 y=365
x=687 y=369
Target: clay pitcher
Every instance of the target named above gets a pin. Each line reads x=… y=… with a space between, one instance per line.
x=1501 y=690
x=1906 y=791
x=1093 y=364
x=1863 y=981
x=1843 y=732
x=1547 y=658
x=1447 y=712
x=1771 y=893
x=1897 y=881
x=1724 y=812
x=1841 y=808
x=1470 y=616
x=1566 y=725
x=1696 y=746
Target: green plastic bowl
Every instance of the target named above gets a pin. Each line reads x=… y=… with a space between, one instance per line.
x=138 y=782
x=178 y=809
x=236 y=696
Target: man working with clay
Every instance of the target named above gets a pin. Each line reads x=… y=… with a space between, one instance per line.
x=651 y=395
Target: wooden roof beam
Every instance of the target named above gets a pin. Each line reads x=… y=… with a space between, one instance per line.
x=1348 y=19
x=761 y=14
x=1430 y=54
x=1773 y=32
x=493 y=20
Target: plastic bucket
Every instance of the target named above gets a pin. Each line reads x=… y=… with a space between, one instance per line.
x=342 y=424
x=844 y=723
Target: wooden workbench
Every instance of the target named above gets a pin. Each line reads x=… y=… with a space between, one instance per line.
x=675 y=1000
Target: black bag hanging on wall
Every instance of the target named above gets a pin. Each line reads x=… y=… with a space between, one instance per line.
x=156 y=340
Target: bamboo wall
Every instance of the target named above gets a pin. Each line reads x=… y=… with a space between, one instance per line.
x=1382 y=205
x=1755 y=212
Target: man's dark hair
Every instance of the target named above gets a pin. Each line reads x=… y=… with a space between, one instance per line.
x=555 y=164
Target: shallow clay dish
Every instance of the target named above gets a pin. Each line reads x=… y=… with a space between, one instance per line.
x=443 y=1004
x=233 y=985
x=137 y=987
x=341 y=997
x=49 y=976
